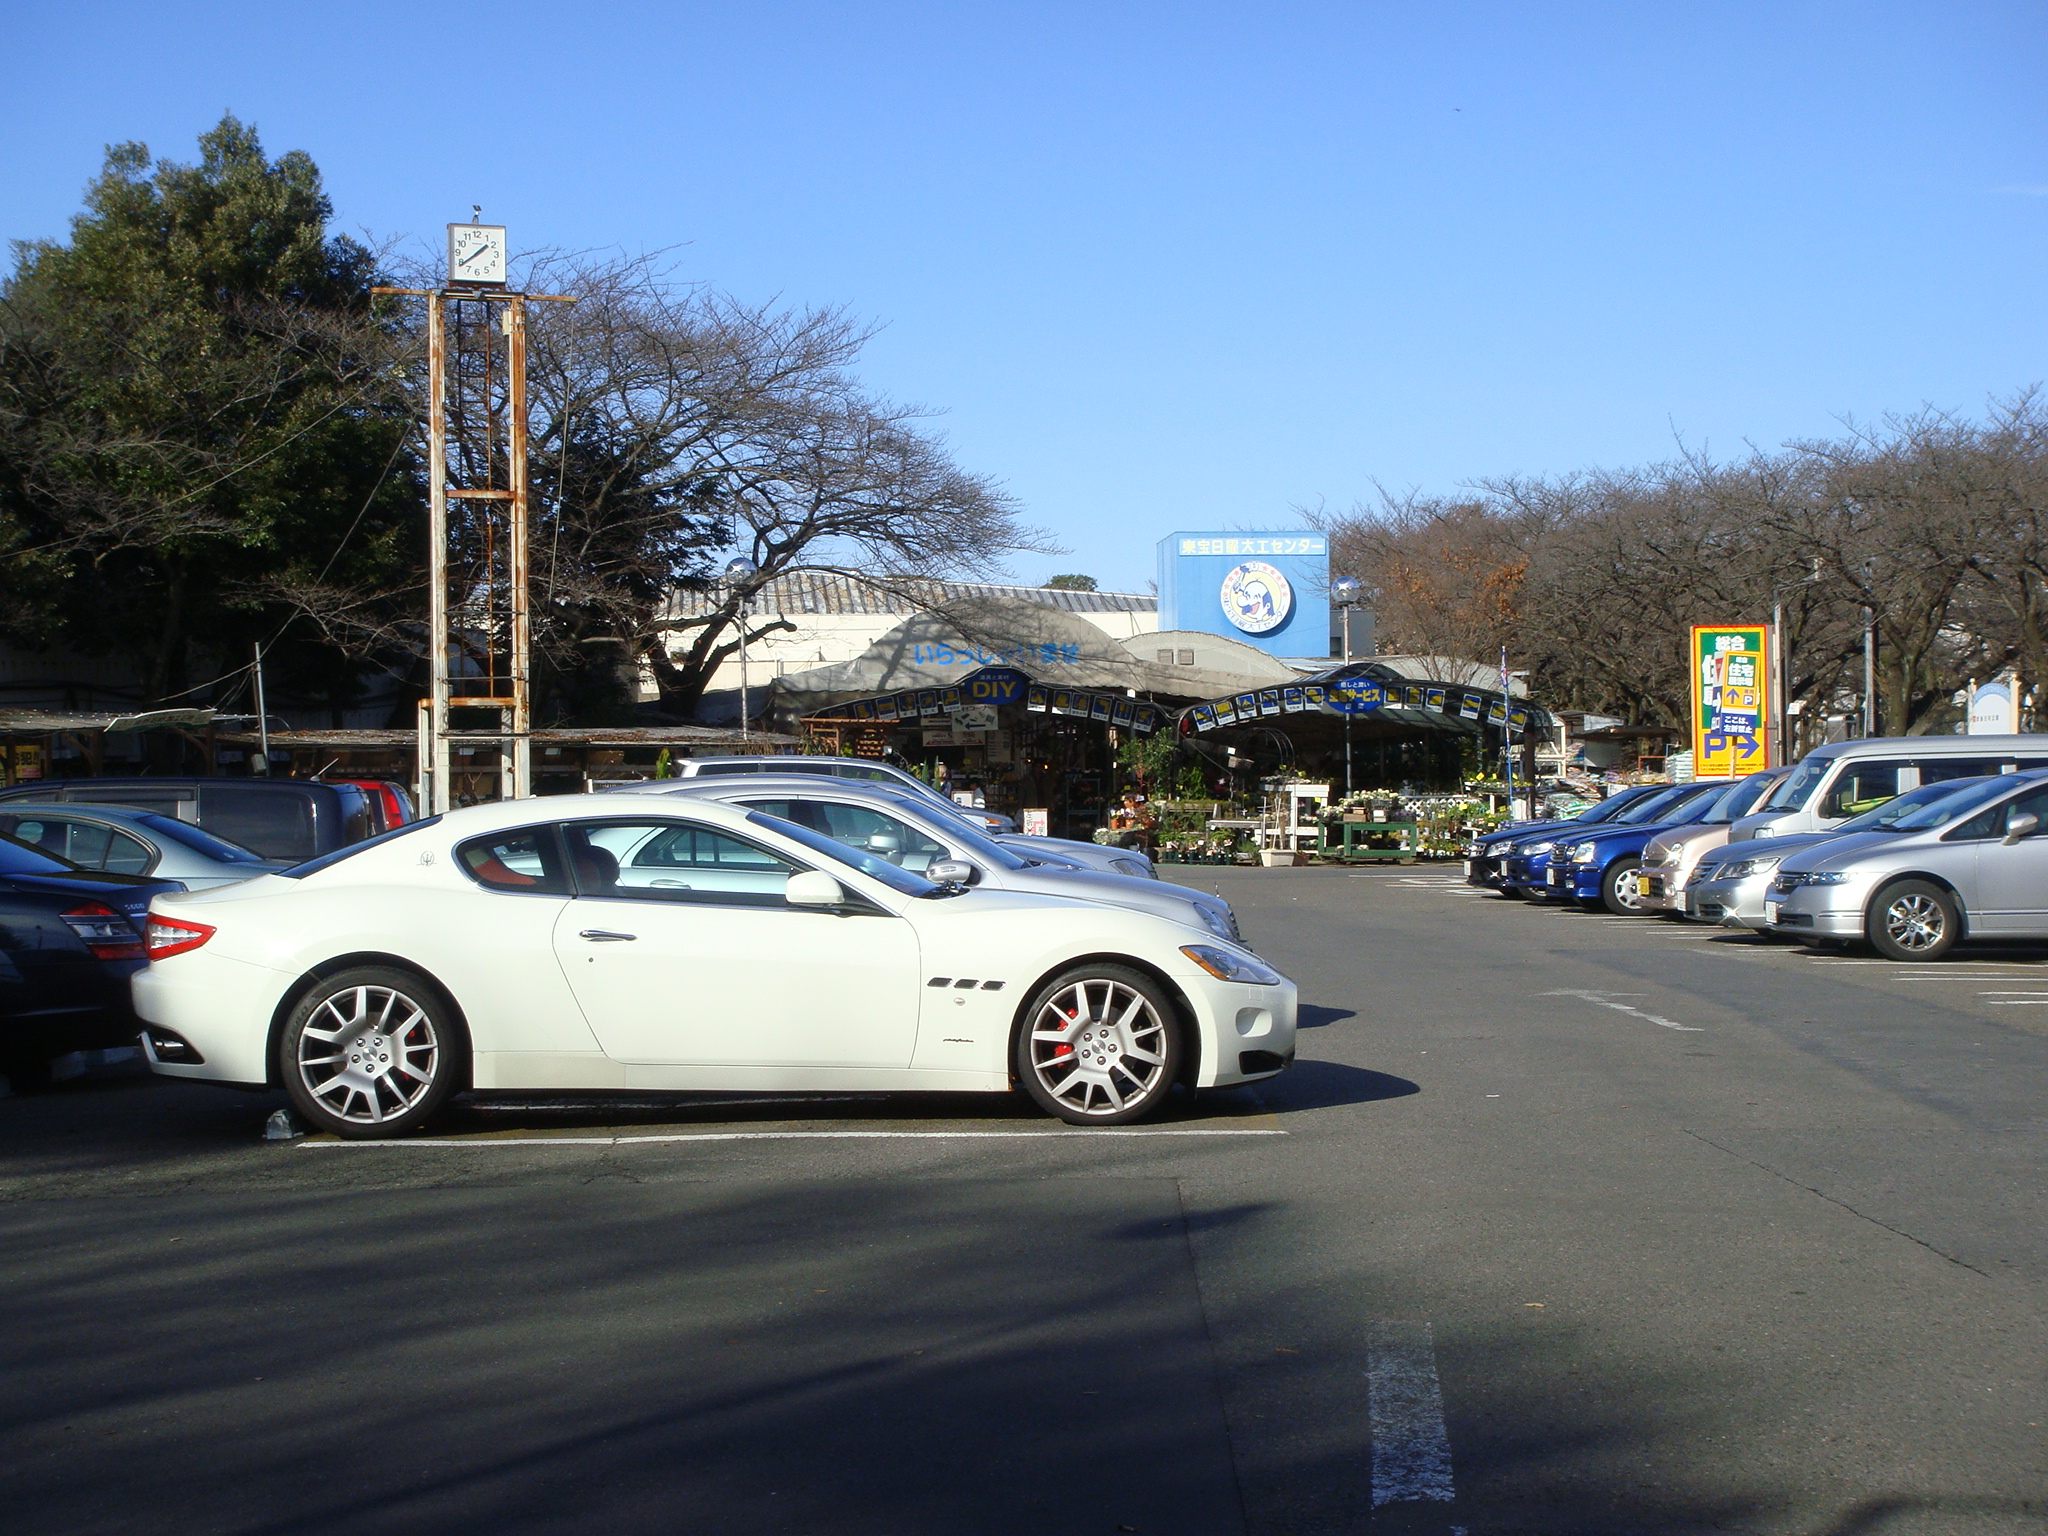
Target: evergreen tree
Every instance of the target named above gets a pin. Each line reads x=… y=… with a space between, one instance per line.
x=200 y=410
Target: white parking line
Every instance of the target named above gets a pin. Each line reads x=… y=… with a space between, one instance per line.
x=1605 y=1000
x=1411 y=1449
x=627 y=1141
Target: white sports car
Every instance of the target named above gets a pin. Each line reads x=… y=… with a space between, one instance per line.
x=582 y=942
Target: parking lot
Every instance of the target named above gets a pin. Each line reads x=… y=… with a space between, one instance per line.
x=1562 y=1223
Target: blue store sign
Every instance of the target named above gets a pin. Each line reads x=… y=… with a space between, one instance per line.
x=994 y=685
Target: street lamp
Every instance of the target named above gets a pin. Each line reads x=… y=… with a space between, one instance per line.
x=1347 y=592
x=738 y=571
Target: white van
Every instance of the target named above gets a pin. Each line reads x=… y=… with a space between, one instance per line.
x=1847 y=778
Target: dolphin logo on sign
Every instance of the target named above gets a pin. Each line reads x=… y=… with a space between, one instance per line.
x=1256 y=597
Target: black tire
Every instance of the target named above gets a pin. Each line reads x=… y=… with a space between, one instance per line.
x=1612 y=888
x=1913 y=920
x=1099 y=1045
x=1513 y=892
x=370 y=1053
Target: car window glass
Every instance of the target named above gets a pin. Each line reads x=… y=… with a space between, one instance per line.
x=884 y=836
x=1741 y=799
x=1940 y=769
x=85 y=843
x=521 y=859
x=19 y=858
x=1860 y=787
x=40 y=832
x=126 y=856
x=1895 y=813
x=851 y=771
x=199 y=840
x=1611 y=807
x=1959 y=810
x=660 y=860
x=329 y=860
x=875 y=869
x=1793 y=794
x=164 y=802
x=277 y=823
x=802 y=765
x=2033 y=804
x=1652 y=808
x=718 y=767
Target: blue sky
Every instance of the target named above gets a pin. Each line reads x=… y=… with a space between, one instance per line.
x=1192 y=266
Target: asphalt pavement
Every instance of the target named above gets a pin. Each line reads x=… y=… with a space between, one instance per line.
x=1562 y=1223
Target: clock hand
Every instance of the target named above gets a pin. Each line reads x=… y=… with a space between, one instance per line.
x=482 y=250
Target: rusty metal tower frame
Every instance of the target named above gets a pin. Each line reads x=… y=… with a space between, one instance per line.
x=480 y=643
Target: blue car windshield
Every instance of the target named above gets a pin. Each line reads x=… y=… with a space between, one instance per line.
x=1891 y=816
x=1612 y=807
x=1657 y=807
x=875 y=869
x=19 y=858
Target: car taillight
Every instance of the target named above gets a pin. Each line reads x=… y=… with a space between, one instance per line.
x=174 y=936
x=105 y=932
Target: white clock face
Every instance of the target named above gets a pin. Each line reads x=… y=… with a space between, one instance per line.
x=476 y=253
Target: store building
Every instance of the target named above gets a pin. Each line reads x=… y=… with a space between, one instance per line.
x=1021 y=701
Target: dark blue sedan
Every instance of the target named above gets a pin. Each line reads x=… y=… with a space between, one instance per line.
x=1486 y=860
x=1599 y=869
x=69 y=940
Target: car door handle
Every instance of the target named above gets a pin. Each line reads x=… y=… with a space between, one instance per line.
x=605 y=936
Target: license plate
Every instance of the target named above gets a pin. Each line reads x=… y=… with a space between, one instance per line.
x=1557 y=877
x=1468 y=869
x=1645 y=886
x=1770 y=911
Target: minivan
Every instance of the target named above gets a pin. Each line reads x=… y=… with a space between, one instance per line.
x=1847 y=778
x=293 y=819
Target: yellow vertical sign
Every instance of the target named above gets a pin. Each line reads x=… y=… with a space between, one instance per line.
x=1731 y=685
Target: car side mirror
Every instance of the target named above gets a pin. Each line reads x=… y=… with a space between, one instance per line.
x=2026 y=824
x=813 y=888
x=951 y=872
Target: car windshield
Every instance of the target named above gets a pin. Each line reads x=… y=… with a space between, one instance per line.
x=329 y=860
x=1739 y=800
x=1655 y=808
x=971 y=837
x=1609 y=809
x=1948 y=808
x=875 y=869
x=1793 y=794
x=218 y=849
x=1891 y=816
x=19 y=858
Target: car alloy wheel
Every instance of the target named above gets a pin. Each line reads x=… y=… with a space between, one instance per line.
x=1913 y=920
x=1619 y=892
x=1100 y=1046
x=369 y=1053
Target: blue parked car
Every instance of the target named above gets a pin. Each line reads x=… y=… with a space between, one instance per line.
x=1485 y=860
x=69 y=940
x=1600 y=870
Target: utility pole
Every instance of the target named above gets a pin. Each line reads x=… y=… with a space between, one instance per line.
x=1869 y=671
x=262 y=713
x=480 y=470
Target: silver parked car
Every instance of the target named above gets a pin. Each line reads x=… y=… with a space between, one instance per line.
x=1974 y=865
x=912 y=834
x=130 y=842
x=1114 y=861
x=1671 y=857
x=1731 y=882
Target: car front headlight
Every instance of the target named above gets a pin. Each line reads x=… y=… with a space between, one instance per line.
x=1217 y=923
x=1742 y=869
x=1583 y=853
x=1535 y=848
x=1827 y=877
x=1229 y=965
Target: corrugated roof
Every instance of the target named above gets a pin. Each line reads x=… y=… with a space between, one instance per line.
x=832 y=592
